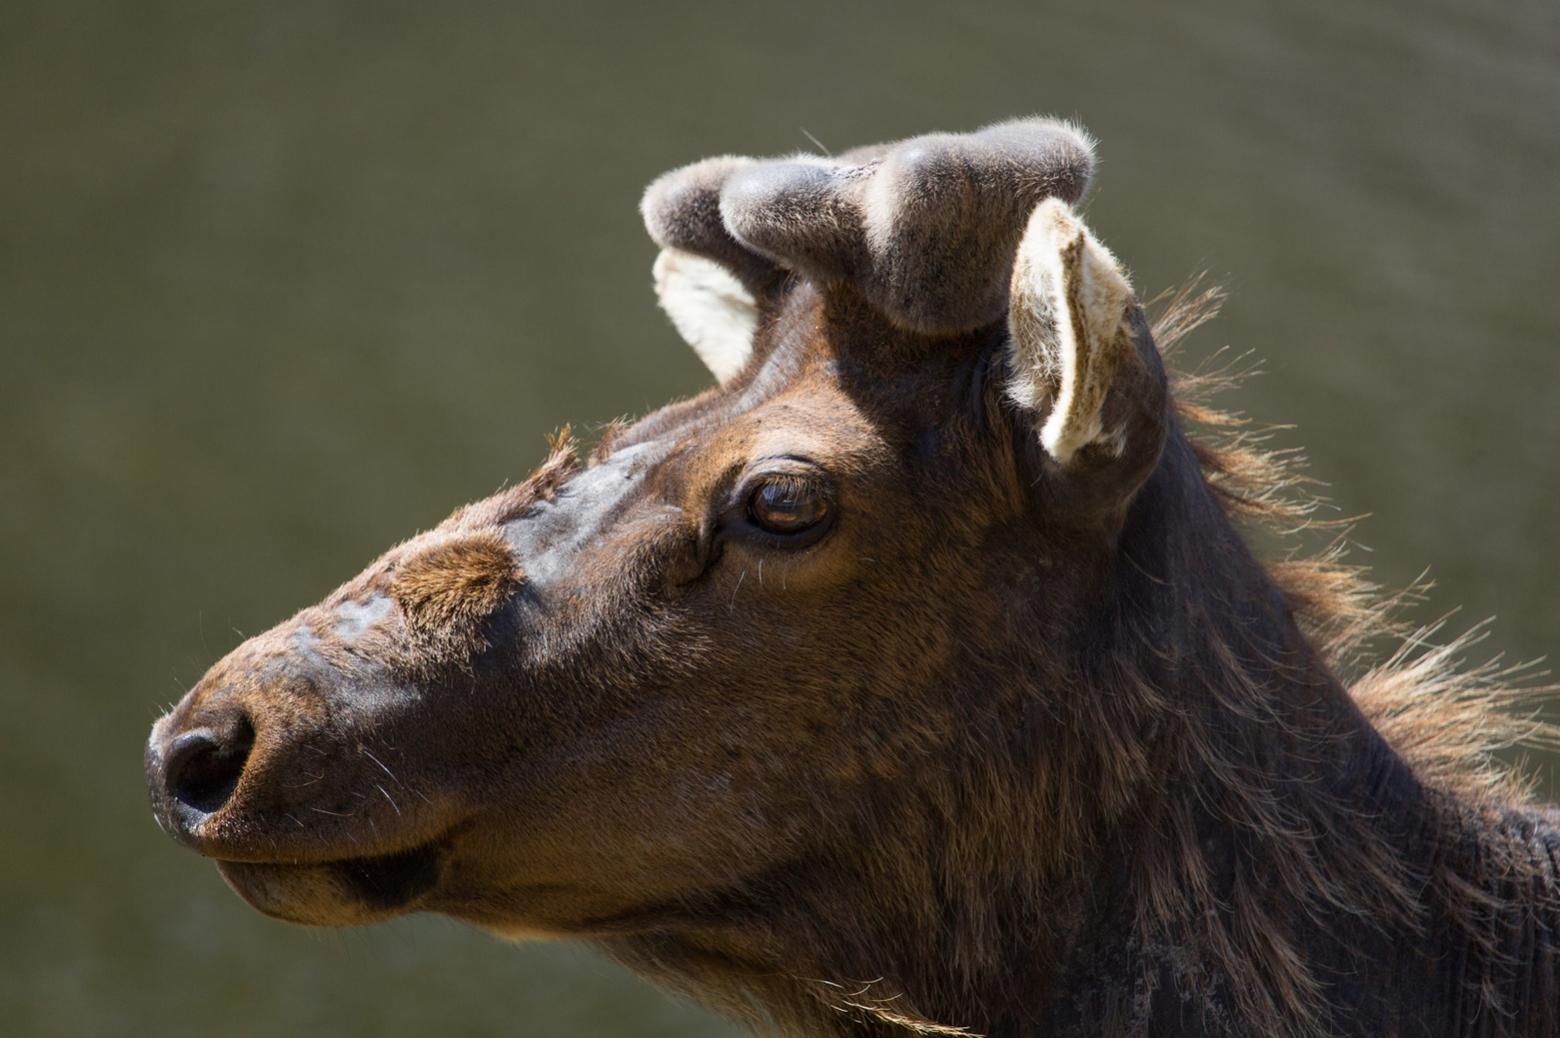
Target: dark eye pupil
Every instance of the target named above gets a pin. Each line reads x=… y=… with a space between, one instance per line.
x=786 y=507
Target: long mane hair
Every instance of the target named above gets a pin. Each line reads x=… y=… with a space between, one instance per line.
x=1451 y=722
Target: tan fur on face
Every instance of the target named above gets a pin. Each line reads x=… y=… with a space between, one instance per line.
x=445 y=589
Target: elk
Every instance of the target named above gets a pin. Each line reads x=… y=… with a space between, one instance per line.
x=916 y=678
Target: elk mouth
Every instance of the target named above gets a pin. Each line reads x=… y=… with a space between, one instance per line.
x=342 y=892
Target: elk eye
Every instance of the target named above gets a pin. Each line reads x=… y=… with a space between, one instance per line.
x=787 y=507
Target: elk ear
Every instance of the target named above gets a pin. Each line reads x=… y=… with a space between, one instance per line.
x=711 y=309
x=1082 y=361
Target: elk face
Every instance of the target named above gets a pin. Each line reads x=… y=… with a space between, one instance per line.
x=600 y=701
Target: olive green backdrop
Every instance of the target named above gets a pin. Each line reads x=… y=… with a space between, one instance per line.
x=283 y=282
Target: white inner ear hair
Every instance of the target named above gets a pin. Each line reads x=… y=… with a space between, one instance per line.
x=1068 y=300
x=710 y=309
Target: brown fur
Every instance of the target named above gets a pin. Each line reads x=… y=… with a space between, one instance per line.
x=1020 y=745
x=448 y=587
x=1446 y=720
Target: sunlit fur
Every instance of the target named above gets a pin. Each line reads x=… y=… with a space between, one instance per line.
x=1446 y=720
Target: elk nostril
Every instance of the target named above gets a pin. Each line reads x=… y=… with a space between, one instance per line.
x=203 y=768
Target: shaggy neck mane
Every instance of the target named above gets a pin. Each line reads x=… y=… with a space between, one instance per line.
x=1216 y=820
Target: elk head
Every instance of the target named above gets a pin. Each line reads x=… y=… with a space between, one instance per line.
x=633 y=687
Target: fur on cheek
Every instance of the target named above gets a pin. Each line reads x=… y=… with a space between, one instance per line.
x=446 y=590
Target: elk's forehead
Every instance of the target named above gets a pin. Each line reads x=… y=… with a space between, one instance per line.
x=536 y=542
x=551 y=533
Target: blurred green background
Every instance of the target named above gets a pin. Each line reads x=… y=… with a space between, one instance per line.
x=283 y=282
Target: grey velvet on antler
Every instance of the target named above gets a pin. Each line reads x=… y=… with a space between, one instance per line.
x=925 y=228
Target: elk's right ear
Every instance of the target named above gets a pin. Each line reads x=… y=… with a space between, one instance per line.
x=1082 y=362
x=712 y=310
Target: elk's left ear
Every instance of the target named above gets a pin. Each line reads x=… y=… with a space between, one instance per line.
x=1082 y=362
x=711 y=309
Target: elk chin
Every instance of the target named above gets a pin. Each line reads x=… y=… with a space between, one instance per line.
x=351 y=892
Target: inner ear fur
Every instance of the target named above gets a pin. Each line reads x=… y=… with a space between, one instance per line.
x=712 y=310
x=1083 y=367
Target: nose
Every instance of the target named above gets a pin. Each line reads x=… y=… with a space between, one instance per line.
x=194 y=773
